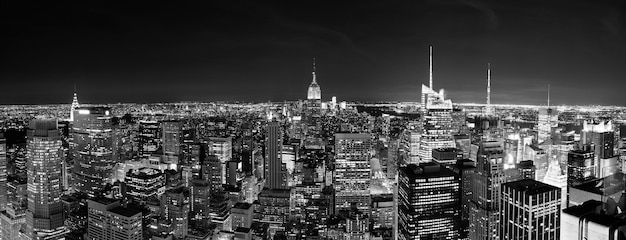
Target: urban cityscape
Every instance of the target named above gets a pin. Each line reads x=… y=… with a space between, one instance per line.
x=315 y=166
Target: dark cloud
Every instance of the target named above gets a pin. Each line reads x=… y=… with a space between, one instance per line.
x=366 y=50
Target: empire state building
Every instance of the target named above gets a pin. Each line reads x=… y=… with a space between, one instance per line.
x=314 y=93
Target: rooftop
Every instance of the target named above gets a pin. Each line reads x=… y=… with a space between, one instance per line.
x=126 y=212
x=530 y=186
x=427 y=170
x=242 y=205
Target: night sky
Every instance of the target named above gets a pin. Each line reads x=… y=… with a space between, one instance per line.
x=366 y=50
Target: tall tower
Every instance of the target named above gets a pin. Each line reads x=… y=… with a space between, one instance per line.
x=485 y=203
x=93 y=149
x=275 y=170
x=430 y=66
x=44 y=217
x=74 y=105
x=315 y=92
x=488 y=108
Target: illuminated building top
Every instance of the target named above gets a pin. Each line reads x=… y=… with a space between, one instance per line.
x=74 y=105
x=314 y=93
x=599 y=128
x=434 y=100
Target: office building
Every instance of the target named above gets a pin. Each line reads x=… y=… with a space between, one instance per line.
x=530 y=210
x=547 y=119
x=3 y=173
x=446 y=155
x=223 y=149
x=149 y=138
x=352 y=171
x=601 y=138
x=526 y=169
x=429 y=204
x=275 y=170
x=436 y=127
x=172 y=138
x=108 y=220
x=144 y=183
x=465 y=168
x=44 y=216
x=487 y=179
x=93 y=150
x=274 y=199
x=175 y=210
x=242 y=215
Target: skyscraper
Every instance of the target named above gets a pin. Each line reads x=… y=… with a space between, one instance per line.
x=44 y=217
x=581 y=167
x=3 y=173
x=436 y=127
x=485 y=203
x=547 y=119
x=314 y=93
x=172 y=137
x=530 y=210
x=352 y=171
x=149 y=138
x=274 y=199
x=175 y=210
x=429 y=202
x=93 y=149
x=601 y=138
x=275 y=170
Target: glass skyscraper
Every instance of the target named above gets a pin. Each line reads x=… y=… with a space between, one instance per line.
x=93 y=149
x=44 y=216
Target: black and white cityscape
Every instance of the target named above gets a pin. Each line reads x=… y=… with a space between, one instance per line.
x=398 y=120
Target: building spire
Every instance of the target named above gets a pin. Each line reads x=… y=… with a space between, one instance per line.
x=430 y=76
x=74 y=104
x=488 y=84
x=548 y=95
x=314 y=80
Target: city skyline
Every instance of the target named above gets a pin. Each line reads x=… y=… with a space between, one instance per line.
x=256 y=52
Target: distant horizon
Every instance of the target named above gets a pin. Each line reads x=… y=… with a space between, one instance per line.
x=365 y=51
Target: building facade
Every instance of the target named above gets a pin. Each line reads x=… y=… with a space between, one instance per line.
x=530 y=210
x=429 y=202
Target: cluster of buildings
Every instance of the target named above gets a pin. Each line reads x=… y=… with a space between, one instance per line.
x=314 y=170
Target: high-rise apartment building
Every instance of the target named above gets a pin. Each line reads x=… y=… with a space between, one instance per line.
x=44 y=216
x=352 y=171
x=93 y=149
x=429 y=204
x=530 y=210
x=108 y=220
